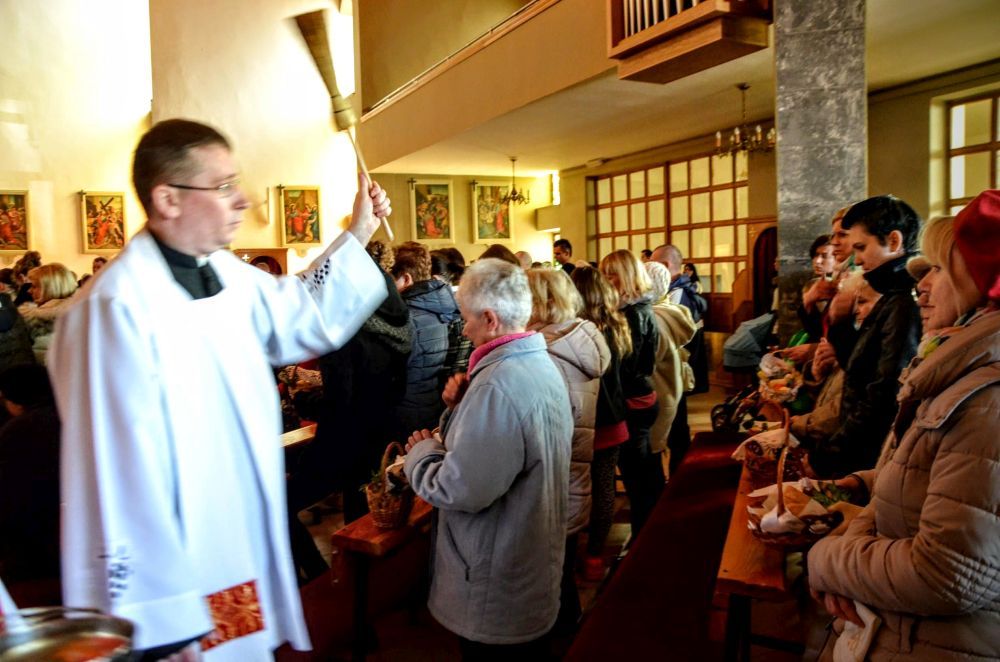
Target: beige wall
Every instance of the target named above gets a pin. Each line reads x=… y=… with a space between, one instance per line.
x=525 y=237
x=75 y=99
x=75 y=102
x=402 y=38
x=563 y=45
x=906 y=135
x=263 y=91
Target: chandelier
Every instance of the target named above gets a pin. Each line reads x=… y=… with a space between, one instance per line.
x=514 y=196
x=744 y=138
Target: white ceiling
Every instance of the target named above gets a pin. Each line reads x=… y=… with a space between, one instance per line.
x=907 y=40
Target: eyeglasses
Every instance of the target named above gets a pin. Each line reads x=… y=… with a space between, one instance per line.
x=224 y=190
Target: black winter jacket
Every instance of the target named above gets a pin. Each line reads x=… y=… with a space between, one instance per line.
x=637 y=367
x=610 y=401
x=29 y=497
x=363 y=381
x=886 y=342
x=432 y=308
x=15 y=339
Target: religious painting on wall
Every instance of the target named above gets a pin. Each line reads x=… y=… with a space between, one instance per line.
x=13 y=222
x=103 y=215
x=491 y=215
x=431 y=216
x=300 y=219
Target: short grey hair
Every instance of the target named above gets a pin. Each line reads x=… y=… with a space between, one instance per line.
x=492 y=284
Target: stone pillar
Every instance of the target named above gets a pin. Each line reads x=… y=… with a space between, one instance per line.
x=821 y=113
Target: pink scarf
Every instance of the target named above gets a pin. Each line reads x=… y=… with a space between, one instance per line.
x=481 y=351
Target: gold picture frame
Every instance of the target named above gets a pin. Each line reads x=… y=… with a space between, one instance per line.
x=432 y=214
x=15 y=235
x=300 y=215
x=491 y=223
x=102 y=218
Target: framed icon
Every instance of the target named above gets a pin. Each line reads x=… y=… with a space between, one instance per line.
x=300 y=216
x=13 y=222
x=491 y=215
x=103 y=218
x=431 y=212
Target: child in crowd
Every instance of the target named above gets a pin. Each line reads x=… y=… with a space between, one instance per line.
x=882 y=232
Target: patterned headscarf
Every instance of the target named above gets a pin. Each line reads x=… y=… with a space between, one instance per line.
x=660 y=277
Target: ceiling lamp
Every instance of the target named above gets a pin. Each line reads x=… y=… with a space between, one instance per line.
x=744 y=138
x=514 y=196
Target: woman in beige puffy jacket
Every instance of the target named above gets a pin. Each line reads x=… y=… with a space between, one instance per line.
x=924 y=555
x=581 y=354
x=672 y=375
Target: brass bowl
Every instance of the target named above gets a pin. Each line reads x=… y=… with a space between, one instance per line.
x=64 y=634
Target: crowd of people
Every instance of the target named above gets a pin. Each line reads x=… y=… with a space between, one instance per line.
x=900 y=355
x=518 y=390
x=617 y=342
x=32 y=295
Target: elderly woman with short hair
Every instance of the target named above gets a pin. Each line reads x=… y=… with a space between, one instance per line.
x=498 y=473
x=924 y=554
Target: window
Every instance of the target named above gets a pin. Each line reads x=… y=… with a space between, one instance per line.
x=700 y=205
x=973 y=148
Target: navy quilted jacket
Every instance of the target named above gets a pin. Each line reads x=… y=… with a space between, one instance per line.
x=432 y=307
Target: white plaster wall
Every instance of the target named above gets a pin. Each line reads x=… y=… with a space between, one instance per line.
x=75 y=94
x=241 y=66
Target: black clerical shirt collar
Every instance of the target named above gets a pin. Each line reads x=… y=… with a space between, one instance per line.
x=195 y=275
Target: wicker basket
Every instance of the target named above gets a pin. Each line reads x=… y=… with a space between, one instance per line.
x=762 y=469
x=802 y=539
x=388 y=511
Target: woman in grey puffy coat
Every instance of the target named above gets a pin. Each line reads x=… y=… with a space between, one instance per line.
x=581 y=354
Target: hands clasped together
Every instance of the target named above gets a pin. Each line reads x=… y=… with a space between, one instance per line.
x=454 y=391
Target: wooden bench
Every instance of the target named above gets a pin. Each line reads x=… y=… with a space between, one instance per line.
x=361 y=544
x=749 y=570
x=398 y=558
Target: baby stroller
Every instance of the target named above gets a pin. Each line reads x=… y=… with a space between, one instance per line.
x=727 y=416
x=742 y=353
x=745 y=348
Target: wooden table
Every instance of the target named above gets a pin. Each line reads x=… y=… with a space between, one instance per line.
x=359 y=544
x=749 y=570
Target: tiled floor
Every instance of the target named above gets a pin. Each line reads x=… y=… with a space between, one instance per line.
x=403 y=638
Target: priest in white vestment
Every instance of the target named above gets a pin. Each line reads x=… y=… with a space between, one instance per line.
x=172 y=471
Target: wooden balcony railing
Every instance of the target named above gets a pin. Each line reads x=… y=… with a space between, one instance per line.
x=659 y=41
